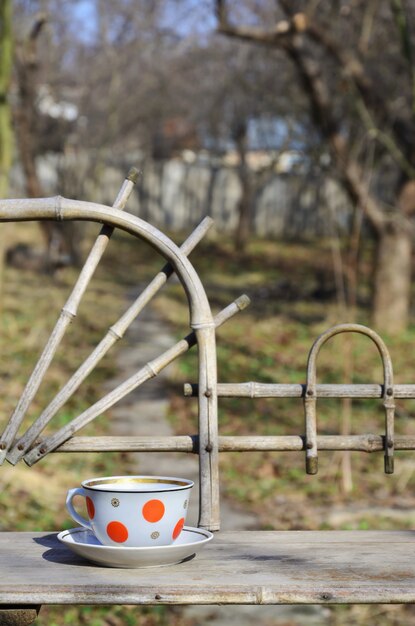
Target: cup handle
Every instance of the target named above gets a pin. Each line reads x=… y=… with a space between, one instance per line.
x=78 y=491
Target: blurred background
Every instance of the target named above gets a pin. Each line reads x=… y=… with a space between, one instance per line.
x=292 y=124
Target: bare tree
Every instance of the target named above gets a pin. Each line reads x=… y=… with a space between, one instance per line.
x=228 y=90
x=6 y=64
x=150 y=87
x=61 y=241
x=336 y=52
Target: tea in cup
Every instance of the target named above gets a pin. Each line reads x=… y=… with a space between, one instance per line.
x=133 y=511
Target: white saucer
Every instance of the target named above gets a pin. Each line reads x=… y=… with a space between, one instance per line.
x=83 y=542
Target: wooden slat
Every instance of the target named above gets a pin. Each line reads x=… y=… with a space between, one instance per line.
x=291 y=567
x=187 y=443
x=282 y=390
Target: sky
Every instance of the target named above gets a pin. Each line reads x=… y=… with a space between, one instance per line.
x=184 y=17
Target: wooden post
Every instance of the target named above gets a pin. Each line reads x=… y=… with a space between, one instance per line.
x=21 y=615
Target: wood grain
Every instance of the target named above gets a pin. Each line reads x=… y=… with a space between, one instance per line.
x=268 y=567
x=190 y=443
x=296 y=390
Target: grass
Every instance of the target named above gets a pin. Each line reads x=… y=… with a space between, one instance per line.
x=293 y=300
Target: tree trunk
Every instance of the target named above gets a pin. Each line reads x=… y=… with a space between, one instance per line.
x=392 y=278
x=243 y=229
x=62 y=243
x=6 y=137
x=6 y=132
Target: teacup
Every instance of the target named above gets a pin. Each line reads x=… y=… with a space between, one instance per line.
x=133 y=511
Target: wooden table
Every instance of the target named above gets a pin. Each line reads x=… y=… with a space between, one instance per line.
x=264 y=567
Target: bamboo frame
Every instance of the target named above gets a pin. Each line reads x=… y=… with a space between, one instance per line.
x=114 y=334
x=309 y=393
x=201 y=321
x=310 y=397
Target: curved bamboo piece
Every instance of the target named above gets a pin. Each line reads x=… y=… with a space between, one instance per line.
x=201 y=320
x=114 y=333
x=310 y=399
x=64 y=209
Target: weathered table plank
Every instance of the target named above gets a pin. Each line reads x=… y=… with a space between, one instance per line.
x=268 y=567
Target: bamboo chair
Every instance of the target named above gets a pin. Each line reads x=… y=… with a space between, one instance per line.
x=250 y=567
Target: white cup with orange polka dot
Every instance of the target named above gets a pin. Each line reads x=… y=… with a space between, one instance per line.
x=133 y=511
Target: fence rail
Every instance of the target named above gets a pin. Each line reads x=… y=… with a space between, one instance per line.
x=240 y=443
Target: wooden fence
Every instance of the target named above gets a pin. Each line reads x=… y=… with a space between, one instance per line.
x=175 y=195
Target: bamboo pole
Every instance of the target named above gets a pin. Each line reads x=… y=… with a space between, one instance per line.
x=267 y=443
x=63 y=209
x=209 y=509
x=150 y=370
x=282 y=390
x=115 y=333
x=68 y=312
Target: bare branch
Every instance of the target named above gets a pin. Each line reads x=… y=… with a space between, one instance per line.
x=32 y=39
x=351 y=66
x=367 y=26
x=311 y=75
x=366 y=95
x=401 y=20
x=366 y=91
x=274 y=37
x=348 y=168
x=37 y=26
x=385 y=139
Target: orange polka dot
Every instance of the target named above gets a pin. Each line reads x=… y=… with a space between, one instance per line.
x=178 y=528
x=153 y=510
x=117 y=532
x=90 y=507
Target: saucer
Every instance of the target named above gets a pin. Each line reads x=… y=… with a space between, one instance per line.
x=84 y=543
